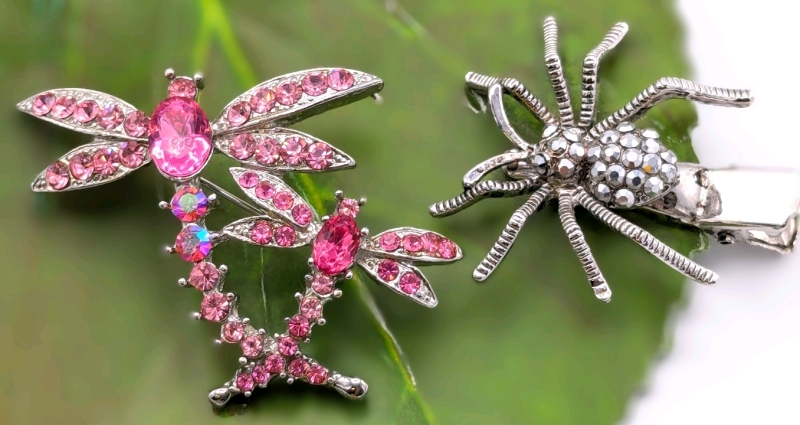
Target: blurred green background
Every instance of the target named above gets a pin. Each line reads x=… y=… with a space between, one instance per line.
x=95 y=330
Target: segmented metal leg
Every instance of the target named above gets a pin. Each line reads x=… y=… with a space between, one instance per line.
x=556 y=72
x=499 y=113
x=646 y=240
x=670 y=88
x=484 y=189
x=480 y=171
x=480 y=84
x=590 y=65
x=567 y=215
x=509 y=235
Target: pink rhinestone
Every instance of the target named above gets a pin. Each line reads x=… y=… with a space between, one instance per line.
x=248 y=179
x=252 y=345
x=298 y=368
x=239 y=114
x=287 y=346
x=233 y=331
x=262 y=100
x=180 y=137
x=298 y=326
x=283 y=201
x=302 y=214
x=57 y=175
x=182 y=87
x=106 y=161
x=389 y=241
x=430 y=243
x=322 y=284
x=63 y=108
x=410 y=283
x=447 y=249
x=311 y=308
x=260 y=374
x=319 y=156
x=215 y=307
x=317 y=375
x=288 y=93
x=265 y=191
x=204 y=276
x=110 y=116
x=131 y=154
x=243 y=146
x=293 y=150
x=285 y=236
x=136 y=123
x=336 y=245
x=261 y=233
x=412 y=243
x=244 y=382
x=81 y=166
x=43 y=103
x=348 y=208
x=275 y=363
x=340 y=79
x=315 y=84
x=85 y=111
x=268 y=151
x=388 y=270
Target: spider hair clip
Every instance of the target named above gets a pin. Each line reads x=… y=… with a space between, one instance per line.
x=179 y=140
x=615 y=165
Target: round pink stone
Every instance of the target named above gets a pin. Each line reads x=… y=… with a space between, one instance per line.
x=252 y=345
x=245 y=382
x=243 y=146
x=388 y=270
x=293 y=150
x=410 y=283
x=335 y=247
x=135 y=124
x=447 y=249
x=389 y=241
x=63 y=108
x=412 y=243
x=430 y=243
x=215 y=307
x=287 y=346
x=340 y=79
x=298 y=326
x=348 y=208
x=110 y=116
x=302 y=214
x=105 y=161
x=204 y=276
x=43 y=103
x=261 y=233
x=260 y=374
x=275 y=363
x=180 y=137
x=81 y=166
x=268 y=151
x=57 y=175
x=311 y=308
x=248 y=180
x=131 y=154
x=317 y=375
x=86 y=111
x=288 y=93
x=239 y=114
x=233 y=331
x=265 y=190
x=319 y=156
x=285 y=236
x=283 y=201
x=298 y=368
x=322 y=284
x=262 y=101
x=315 y=84
x=182 y=87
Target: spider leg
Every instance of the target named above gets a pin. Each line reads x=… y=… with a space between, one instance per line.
x=503 y=245
x=590 y=65
x=484 y=189
x=495 y=96
x=566 y=213
x=670 y=88
x=649 y=242
x=556 y=72
x=480 y=84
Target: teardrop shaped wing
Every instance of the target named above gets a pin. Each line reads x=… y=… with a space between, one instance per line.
x=267 y=231
x=88 y=111
x=413 y=245
x=293 y=97
x=275 y=196
x=400 y=277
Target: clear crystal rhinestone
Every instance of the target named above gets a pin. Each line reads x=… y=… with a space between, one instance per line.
x=572 y=134
x=566 y=168
x=669 y=173
x=610 y=153
x=632 y=158
x=598 y=171
x=649 y=133
x=635 y=179
x=549 y=131
x=626 y=127
x=576 y=151
x=615 y=175
x=624 y=198
x=653 y=187
x=540 y=163
x=609 y=136
x=669 y=157
x=558 y=146
x=602 y=192
x=629 y=141
x=651 y=163
x=593 y=153
x=651 y=146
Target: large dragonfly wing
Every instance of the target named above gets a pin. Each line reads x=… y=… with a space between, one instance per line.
x=293 y=97
x=413 y=245
x=401 y=277
x=281 y=149
x=88 y=111
x=276 y=197
x=102 y=161
x=267 y=231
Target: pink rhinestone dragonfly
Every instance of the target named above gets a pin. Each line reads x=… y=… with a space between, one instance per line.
x=179 y=140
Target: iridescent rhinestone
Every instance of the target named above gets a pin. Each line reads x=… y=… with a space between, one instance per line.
x=626 y=127
x=609 y=137
x=632 y=158
x=566 y=168
x=624 y=198
x=610 y=153
x=576 y=151
x=593 y=153
x=651 y=146
x=602 y=192
x=649 y=133
x=669 y=157
x=598 y=171
x=635 y=179
x=615 y=175
x=549 y=131
x=669 y=173
x=629 y=141
x=651 y=163
x=189 y=204
x=193 y=243
x=541 y=163
x=558 y=146
x=653 y=187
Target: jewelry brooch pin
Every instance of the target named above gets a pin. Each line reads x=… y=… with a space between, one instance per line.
x=179 y=140
x=614 y=165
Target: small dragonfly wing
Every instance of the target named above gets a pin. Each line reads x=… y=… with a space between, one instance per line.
x=276 y=197
x=267 y=231
x=401 y=277
x=413 y=245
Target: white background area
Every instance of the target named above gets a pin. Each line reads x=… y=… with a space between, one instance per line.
x=735 y=356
